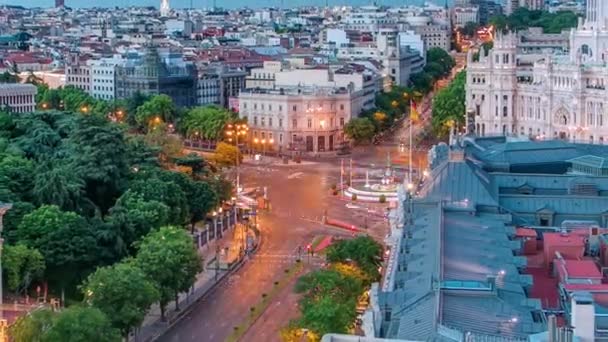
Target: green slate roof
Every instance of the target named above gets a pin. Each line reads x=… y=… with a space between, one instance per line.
x=590 y=160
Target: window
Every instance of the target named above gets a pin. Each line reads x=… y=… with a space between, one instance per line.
x=341 y=106
x=255 y=106
x=309 y=123
x=263 y=122
x=269 y=122
x=295 y=108
x=504 y=111
x=280 y=122
x=270 y=107
x=280 y=138
x=255 y=120
x=294 y=123
x=262 y=106
x=341 y=122
x=280 y=108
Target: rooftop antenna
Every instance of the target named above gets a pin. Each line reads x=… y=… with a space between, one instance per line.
x=191 y=7
x=214 y=6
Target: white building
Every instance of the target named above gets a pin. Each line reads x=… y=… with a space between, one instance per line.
x=102 y=77
x=299 y=119
x=463 y=15
x=555 y=95
x=18 y=98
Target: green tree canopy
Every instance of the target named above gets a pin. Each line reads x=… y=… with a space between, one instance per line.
x=158 y=109
x=449 y=106
x=362 y=250
x=135 y=217
x=168 y=257
x=78 y=324
x=122 y=292
x=168 y=193
x=21 y=266
x=64 y=239
x=206 y=122
x=523 y=18
x=32 y=327
x=360 y=129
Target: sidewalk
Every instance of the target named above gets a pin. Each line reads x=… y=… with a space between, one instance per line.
x=230 y=246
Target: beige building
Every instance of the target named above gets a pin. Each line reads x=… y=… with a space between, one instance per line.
x=18 y=98
x=299 y=119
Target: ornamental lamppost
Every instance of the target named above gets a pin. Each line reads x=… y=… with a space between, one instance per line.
x=236 y=131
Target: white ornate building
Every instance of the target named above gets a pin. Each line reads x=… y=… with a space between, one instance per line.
x=551 y=93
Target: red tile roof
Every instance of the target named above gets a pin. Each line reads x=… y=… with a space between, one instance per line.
x=559 y=239
x=586 y=287
x=582 y=269
x=525 y=232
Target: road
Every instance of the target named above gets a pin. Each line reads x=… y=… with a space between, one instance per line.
x=298 y=195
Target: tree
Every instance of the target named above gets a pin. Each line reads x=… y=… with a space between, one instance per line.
x=470 y=28
x=13 y=218
x=98 y=153
x=326 y=315
x=168 y=257
x=7 y=77
x=59 y=185
x=194 y=161
x=169 y=146
x=77 y=324
x=360 y=130
x=362 y=250
x=168 y=193
x=158 y=109
x=17 y=174
x=226 y=154
x=33 y=326
x=123 y=293
x=449 y=105
x=206 y=122
x=202 y=199
x=63 y=238
x=523 y=18
x=134 y=217
x=140 y=155
x=21 y=266
x=442 y=57
x=131 y=105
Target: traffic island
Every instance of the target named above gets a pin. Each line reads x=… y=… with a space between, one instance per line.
x=255 y=312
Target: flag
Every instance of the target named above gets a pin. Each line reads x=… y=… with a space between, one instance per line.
x=414 y=115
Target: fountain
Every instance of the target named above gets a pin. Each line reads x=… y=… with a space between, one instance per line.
x=387 y=186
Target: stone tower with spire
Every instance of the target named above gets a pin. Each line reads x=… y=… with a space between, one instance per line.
x=164 y=8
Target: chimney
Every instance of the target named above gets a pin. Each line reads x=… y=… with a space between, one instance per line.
x=583 y=316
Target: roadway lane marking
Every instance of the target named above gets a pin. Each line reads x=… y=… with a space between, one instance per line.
x=295 y=175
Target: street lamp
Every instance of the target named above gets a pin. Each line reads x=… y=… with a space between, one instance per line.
x=236 y=131
x=84 y=109
x=263 y=146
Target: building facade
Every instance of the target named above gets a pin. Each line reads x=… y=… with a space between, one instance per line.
x=208 y=90
x=102 y=77
x=158 y=73
x=299 y=119
x=18 y=98
x=544 y=95
x=78 y=72
x=463 y=15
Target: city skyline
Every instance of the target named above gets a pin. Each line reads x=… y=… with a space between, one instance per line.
x=199 y=4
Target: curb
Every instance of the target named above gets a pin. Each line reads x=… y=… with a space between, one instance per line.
x=212 y=288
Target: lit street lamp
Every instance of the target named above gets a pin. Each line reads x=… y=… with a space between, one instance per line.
x=236 y=131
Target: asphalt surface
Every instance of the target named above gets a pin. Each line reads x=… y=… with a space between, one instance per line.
x=299 y=196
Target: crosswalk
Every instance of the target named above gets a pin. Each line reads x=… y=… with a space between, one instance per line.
x=286 y=259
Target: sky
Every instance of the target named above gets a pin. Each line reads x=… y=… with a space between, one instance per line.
x=209 y=3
